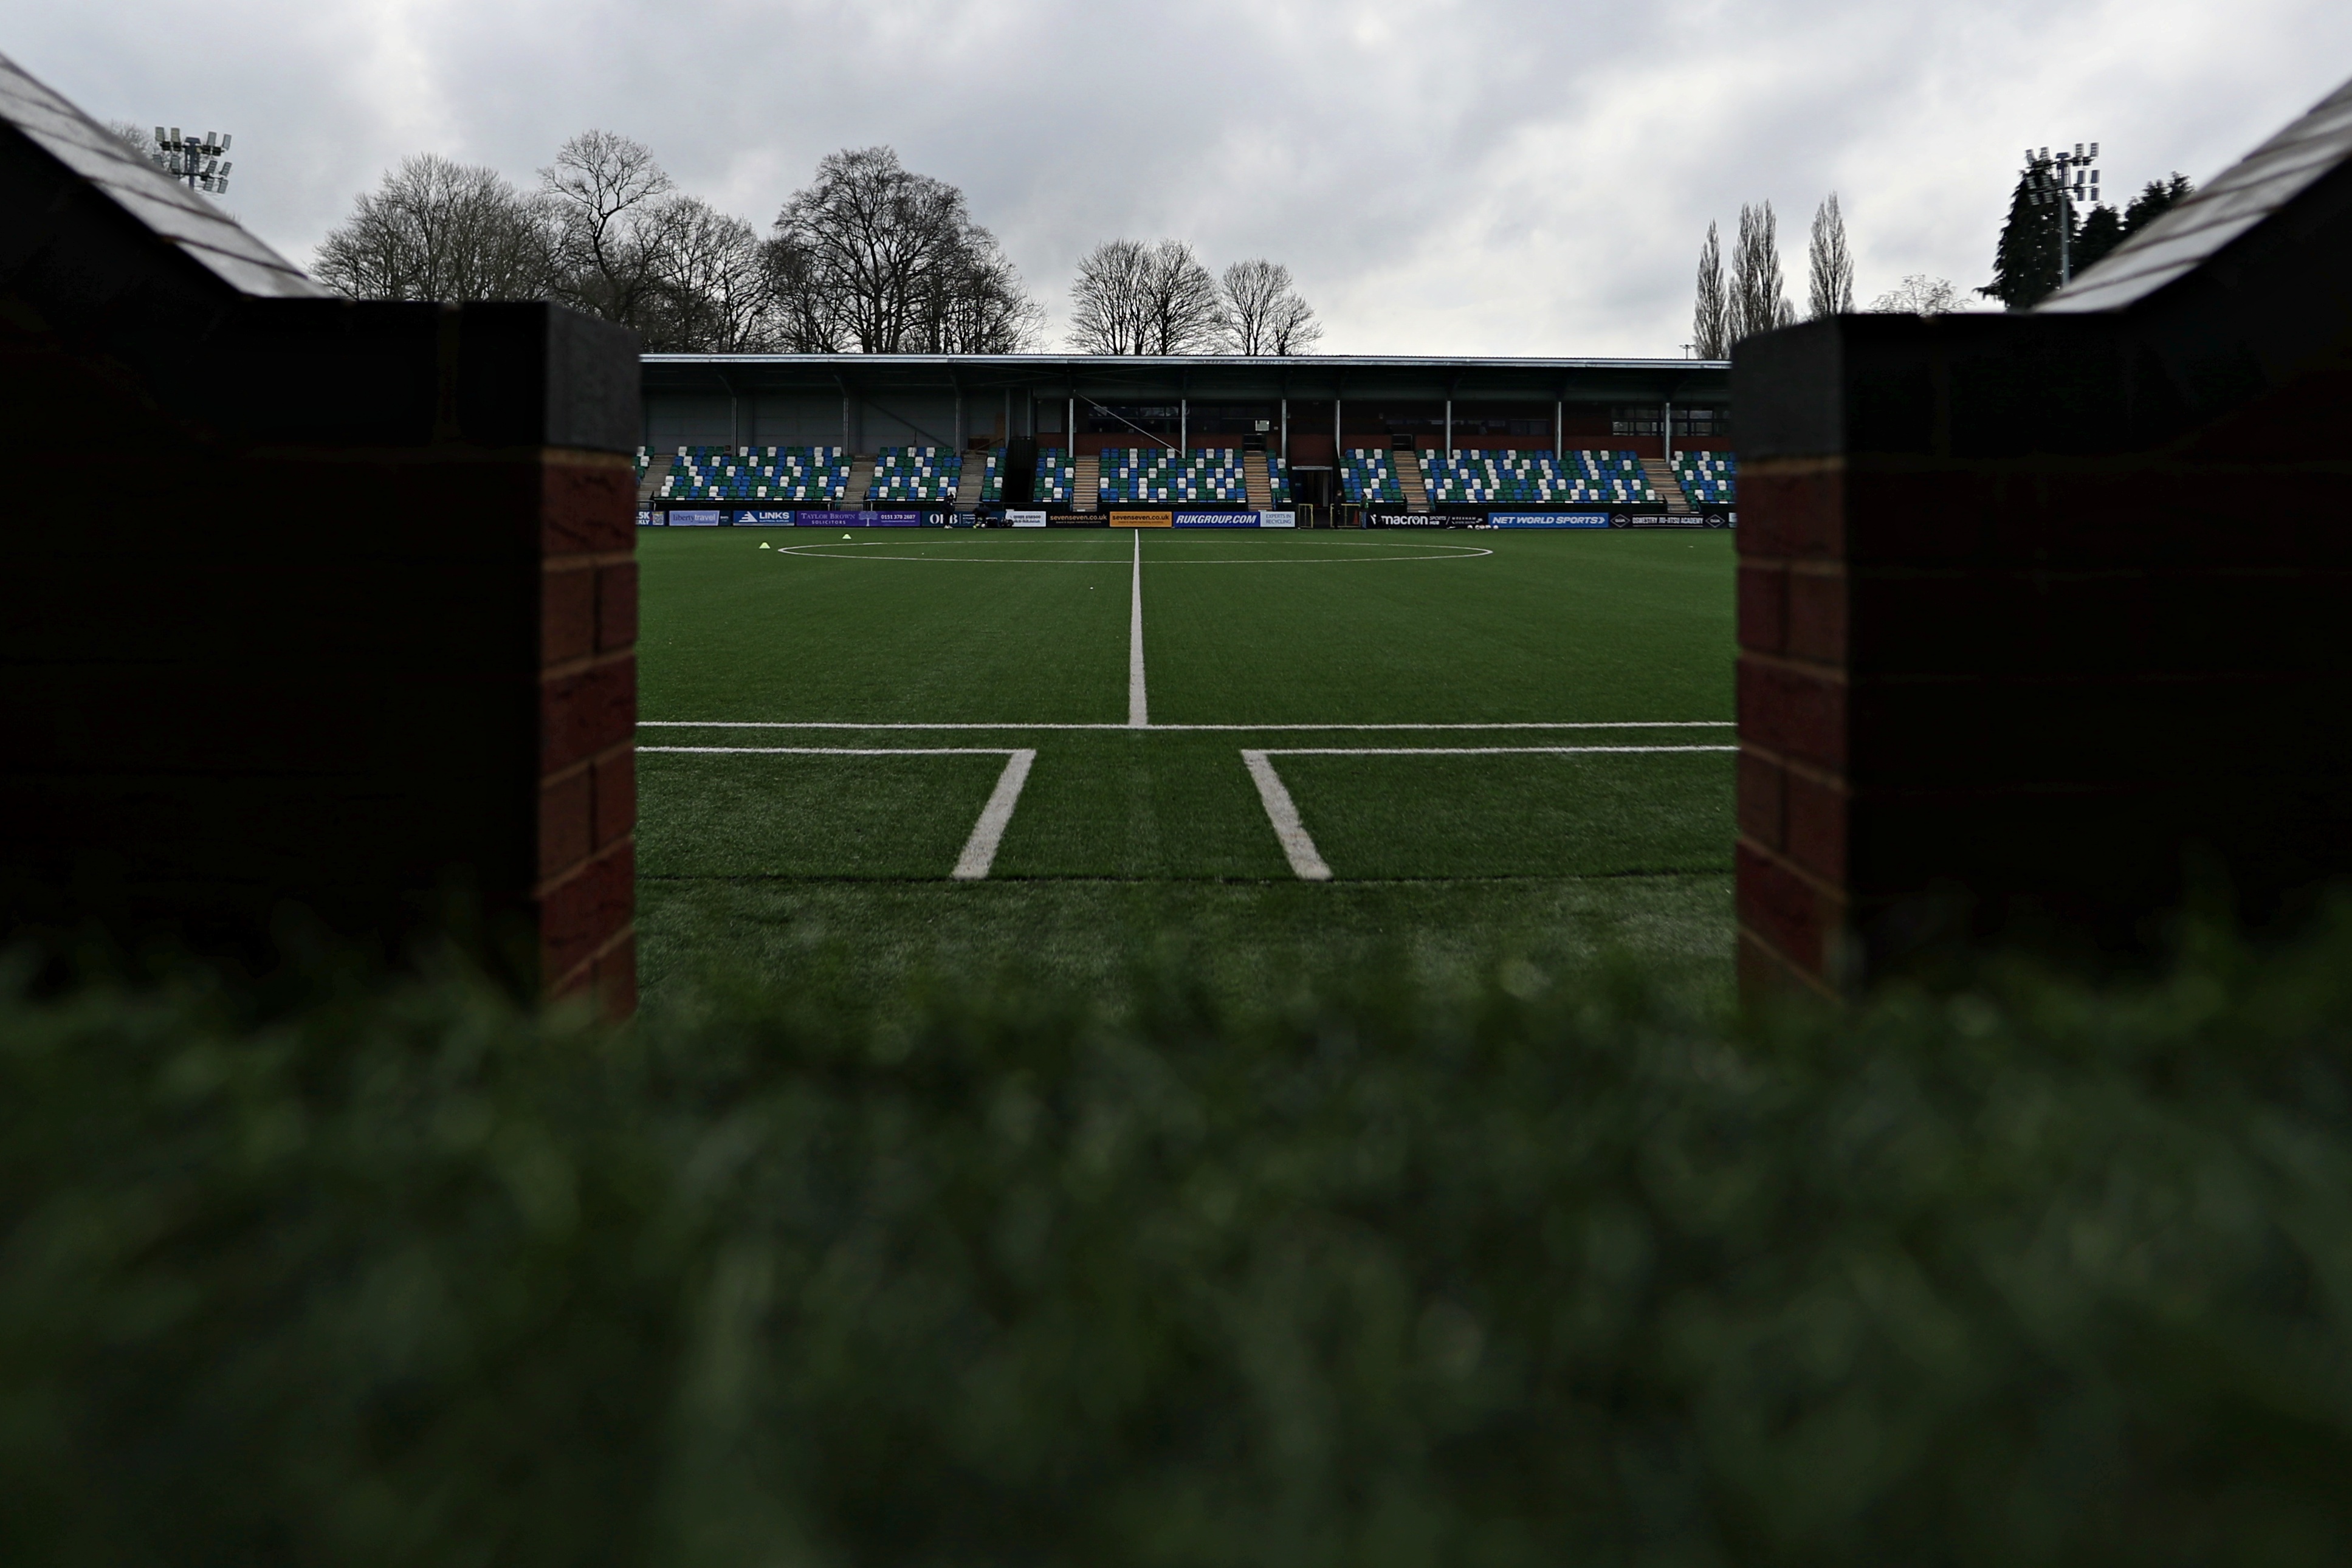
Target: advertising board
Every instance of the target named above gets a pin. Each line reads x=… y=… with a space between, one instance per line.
x=1019 y=518
x=1277 y=519
x=697 y=519
x=649 y=520
x=1405 y=519
x=1713 y=517
x=863 y=519
x=1143 y=520
x=1216 y=519
x=763 y=520
x=1549 y=518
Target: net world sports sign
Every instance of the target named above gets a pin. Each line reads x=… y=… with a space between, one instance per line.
x=1549 y=518
x=1216 y=519
x=1143 y=520
x=697 y=519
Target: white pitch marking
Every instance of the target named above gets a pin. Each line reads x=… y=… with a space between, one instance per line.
x=1138 y=710
x=1223 y=728
x=1298 y=847
x=836 y=750
x=1471 y=751
x=980 y=849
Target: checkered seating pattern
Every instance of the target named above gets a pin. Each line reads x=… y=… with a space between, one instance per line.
x=1368 y=477
x=1278 y=478
x=1057 y=477
x=756 y=474
x=915 y=474
x=1213 y=475
x=1709 y=479
x=991 y=477
x=645 y=460
x=1605 y=476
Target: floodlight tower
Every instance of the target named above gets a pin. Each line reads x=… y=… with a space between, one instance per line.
x=2050 y=187
x=197 y=160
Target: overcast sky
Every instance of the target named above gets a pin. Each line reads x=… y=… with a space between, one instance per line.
x=1505 y=178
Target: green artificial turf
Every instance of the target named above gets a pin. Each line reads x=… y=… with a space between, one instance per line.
x=1126 y=840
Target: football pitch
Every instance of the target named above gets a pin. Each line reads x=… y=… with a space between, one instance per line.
x=1063 y=751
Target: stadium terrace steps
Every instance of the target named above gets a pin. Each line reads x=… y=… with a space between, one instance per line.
x=979 y=469
x=1088 y=484
x=861 y=480
x=1664 y=479
x=1410 y=480
x=1254 y=476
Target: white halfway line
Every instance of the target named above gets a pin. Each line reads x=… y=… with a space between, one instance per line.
x=1138 y=710
x=980 y=849
x=1307 y=862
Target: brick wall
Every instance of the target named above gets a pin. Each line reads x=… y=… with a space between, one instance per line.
x=332 y=609
x=2027 y=646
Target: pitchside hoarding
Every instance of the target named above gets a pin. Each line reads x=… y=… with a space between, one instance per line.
x=1549 y=518
x=1407 y=519
x=763 y=519
x=697 y=519
x=1024 y=519
x=1143 y=520
x=1216 y=519
x=1277 y=519
x=866 y=519
x=649 y=520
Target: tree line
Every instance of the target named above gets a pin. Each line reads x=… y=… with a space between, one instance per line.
x=870 y=257
x=1746 y=297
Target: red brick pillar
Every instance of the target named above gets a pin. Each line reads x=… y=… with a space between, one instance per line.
x=585 y=895
x=1791 y=856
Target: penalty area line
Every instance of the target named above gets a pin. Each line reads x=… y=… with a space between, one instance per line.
x=979 y=854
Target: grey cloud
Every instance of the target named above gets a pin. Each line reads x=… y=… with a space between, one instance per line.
x=1507 y=177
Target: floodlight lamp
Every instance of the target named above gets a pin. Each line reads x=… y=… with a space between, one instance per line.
x=2095 y=149
x=175 y=135
x=2078 y=151
x=226 y=139
x=158 y=136
x=223 y=171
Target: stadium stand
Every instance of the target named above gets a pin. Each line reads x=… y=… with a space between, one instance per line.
x=1278 y=478
x=992 y=479
x=1132 y=474
x=1210 y=477
x=1057 y=477
x=915 y=474
x=1709 y=479
x=756 y=473
x=1537 y=477
x=1369 y=478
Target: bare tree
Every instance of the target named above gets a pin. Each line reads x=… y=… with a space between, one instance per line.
x=1109 y=313
x=1831 y=264
x=1133 y=298
x=1757 y=302
x=1711 y=315
x=715 y=295
x=1920 y=295
x=140 y=140
x=441 y=230
x=1266 y=312
x=804 y=311
x=893 y=263
x=975 y=304
x=606 y=190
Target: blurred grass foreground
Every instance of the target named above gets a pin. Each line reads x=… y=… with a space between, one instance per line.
x=1385 y=1273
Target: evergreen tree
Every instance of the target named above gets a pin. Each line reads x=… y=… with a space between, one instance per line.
x=1711 y=316
x=2158 y=198
x=2101 y=232
x=2025 y=263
